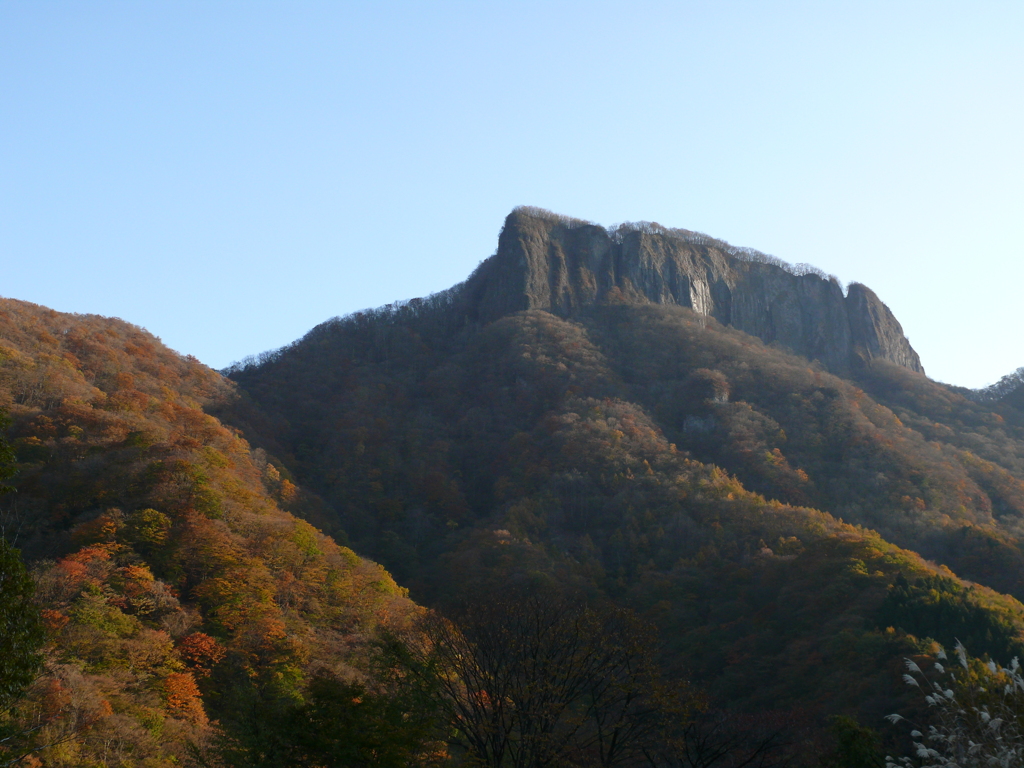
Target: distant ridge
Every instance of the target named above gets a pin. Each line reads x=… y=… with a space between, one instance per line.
x=1010 y=388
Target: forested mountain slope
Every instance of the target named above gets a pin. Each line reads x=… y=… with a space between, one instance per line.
x=185 y=606
x=730 y=446
x=641 y=449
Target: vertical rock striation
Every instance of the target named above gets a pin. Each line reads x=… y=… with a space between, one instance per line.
x=561 y=265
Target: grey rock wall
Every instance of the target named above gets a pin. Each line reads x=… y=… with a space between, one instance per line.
x=551 y=263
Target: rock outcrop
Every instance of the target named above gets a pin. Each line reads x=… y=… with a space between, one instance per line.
x=550 y=262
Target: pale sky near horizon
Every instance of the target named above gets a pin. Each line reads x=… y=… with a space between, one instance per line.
x=229 y=174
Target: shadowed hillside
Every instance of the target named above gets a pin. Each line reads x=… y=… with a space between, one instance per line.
x=567 y=411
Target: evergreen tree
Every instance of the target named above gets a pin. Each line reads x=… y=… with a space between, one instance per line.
x=21 y=631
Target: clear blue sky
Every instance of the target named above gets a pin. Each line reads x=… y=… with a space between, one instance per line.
x=229 y=174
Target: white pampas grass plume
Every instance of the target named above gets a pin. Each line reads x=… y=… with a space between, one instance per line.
x=961 y=652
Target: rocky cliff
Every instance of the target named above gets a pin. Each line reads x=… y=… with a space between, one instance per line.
x=550 y=262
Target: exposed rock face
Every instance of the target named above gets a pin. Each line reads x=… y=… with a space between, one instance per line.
x=560 y=265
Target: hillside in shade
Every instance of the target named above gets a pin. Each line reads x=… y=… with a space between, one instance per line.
x=729 y=444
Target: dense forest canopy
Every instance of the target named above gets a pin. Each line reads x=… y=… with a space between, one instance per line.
x=654 y=456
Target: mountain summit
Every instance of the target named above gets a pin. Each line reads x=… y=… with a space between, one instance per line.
x=560 y=265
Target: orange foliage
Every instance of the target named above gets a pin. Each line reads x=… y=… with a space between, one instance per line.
x=122 y=464
x=54 y=621
x=287 y=492
x=183 y=697
x=88 y=555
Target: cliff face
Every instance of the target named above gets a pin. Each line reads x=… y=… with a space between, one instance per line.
x=561 y=265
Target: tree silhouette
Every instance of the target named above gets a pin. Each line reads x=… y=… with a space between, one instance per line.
x=534 y=678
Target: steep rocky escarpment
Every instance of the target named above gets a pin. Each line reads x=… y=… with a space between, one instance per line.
x=561 y=265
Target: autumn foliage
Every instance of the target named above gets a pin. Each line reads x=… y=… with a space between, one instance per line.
x=788 y=535
x=173 y=585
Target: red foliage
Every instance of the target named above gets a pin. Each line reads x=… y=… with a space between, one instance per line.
x=200 y=652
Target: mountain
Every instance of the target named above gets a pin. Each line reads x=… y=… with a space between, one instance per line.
x=185 y=604
x=754 y=460
x=734 y=448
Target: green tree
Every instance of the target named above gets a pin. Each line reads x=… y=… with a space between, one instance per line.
x=386 y=719
x=856 y=746
x=347 y=723
x=21 y=631
x=8 y=461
